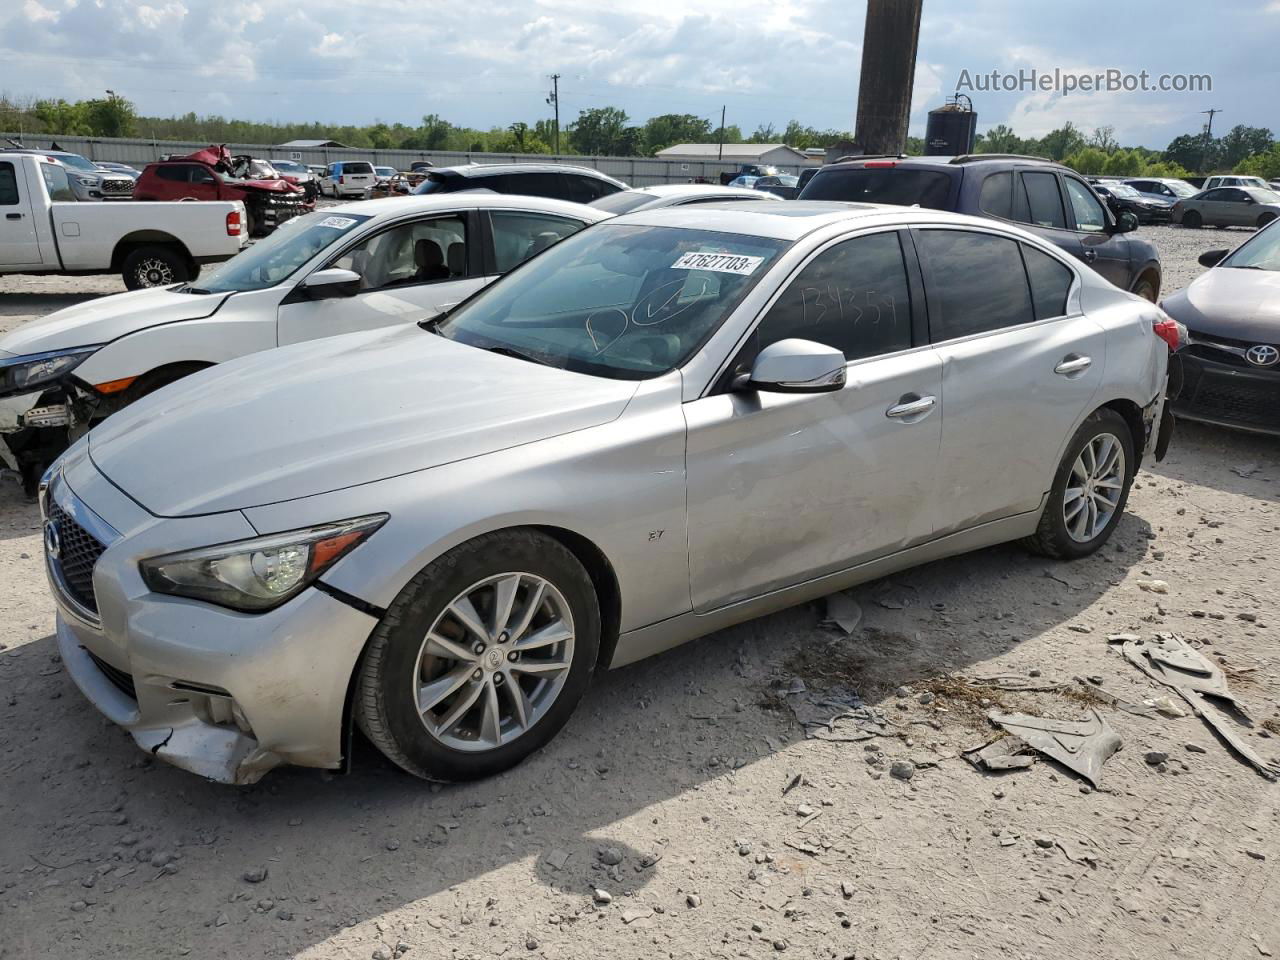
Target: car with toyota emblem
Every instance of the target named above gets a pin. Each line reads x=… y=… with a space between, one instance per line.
x=1231 y=365
x=662 y=425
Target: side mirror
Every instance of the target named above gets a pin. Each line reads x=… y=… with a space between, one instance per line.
x=331 y=283
x=1127 y=222
x=1211 y=258
x=796 y=366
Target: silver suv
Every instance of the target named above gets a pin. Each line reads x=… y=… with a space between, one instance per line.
x=88 y=180
x=665 y=424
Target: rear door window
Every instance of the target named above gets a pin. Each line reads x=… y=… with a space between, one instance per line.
x=8 y=184
x=975 y=283
x=895 y=185
x=584 y=189
x=174 y=172
x=996 y=198
x=1044 y=200
x=1050 y=282
x=519 y=236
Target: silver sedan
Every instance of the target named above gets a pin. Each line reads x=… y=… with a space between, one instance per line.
x=666 y=424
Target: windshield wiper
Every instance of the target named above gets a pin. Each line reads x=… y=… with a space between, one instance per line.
x=509 y=352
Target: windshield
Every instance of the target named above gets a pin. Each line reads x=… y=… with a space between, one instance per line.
x=77 y=162
x=623 y=201
x=1181 y=188
x=1259 y=252
x=385 y=171
x=904 y=187
x=276 y=257
x=625 y=302
x=431 y=183
x=1263 y=195
x=288 y=166
x=1120 y=190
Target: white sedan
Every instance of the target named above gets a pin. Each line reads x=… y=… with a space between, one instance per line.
x=347 y=268
x=674 y=195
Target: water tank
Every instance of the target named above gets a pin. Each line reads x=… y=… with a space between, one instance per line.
x=951 y=128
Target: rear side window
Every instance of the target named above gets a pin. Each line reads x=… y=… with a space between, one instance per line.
x=56 y=182
x=8 y=185
x=1050 y=283
x=853 y=297
x=1044 y=200
x=997 y=195
x=519 y=236
x=976 y=283
x=903 y=187
x=176 y=173
x=584 y=189
x=526 y=184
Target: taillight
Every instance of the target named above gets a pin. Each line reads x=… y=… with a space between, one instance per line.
x=342 y=179
x=233 y=223
x=880 y=163
x=1170 y=331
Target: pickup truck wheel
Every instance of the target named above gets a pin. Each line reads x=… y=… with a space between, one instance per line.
x=250 y=221
x=154 y=267
x=481 y=658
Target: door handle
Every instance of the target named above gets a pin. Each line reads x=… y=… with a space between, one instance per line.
x=1073 y=363
x=1090 y=256
x=13 y=216
x=911 y=410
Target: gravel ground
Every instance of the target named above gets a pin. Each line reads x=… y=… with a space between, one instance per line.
x=682 y=813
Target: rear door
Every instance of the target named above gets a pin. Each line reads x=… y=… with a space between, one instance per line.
x=1019 y=370
x=1038 y=205
x=786 y=487
x=409 y=270
x=1100 y=247
x=18 y=241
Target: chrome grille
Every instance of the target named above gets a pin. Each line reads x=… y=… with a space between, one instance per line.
x=78 y=551
x=120 y=187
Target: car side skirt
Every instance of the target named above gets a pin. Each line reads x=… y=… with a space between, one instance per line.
x=657 y=637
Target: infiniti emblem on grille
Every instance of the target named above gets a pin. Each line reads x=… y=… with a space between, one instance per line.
x=52 y=539
x=1263 y=355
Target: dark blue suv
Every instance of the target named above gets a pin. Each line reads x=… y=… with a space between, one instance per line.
x=1042 y=196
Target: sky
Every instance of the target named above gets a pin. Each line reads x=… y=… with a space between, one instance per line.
x=484 y=63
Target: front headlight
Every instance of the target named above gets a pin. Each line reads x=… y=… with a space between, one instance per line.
x=88 y=181
x=258 y=574
x=25 y=374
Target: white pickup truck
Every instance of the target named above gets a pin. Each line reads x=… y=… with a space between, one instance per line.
x=43 y=230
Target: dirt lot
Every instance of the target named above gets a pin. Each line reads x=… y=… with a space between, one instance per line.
x=667 y=791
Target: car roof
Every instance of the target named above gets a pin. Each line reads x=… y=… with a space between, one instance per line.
x=696 y=189
x=794 y=219
x=484 y=200
x=493 y=169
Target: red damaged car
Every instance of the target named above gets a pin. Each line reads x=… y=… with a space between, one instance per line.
x=214 y=174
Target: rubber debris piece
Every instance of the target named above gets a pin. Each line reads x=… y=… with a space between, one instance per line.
x=1082 y=746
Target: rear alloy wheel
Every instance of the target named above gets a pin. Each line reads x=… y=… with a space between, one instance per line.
x=1192 y=220
x=481 y=659
x=1089 y=490
x=154 y=267
x=1265 y=219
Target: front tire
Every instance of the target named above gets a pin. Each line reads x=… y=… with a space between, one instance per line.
x=154 y=267
x=1192 y=220
x=1089 y=490
x=481 y=658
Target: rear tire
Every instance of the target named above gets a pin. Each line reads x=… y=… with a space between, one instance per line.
x=154 y=267
x=1087 y=498
x=1265 y=219
x=1146 y=290
x=1192 y=220
x=474 y=724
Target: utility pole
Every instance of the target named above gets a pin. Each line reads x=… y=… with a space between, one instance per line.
x=720 y=154
x=1208 y=136
x=554 y=100
x=889 y=42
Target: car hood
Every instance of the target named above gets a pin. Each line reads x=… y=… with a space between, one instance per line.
x=333 y=413
x=107 y=318
x=1226 y=302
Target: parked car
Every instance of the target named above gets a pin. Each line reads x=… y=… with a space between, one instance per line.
x=213 y=174
x=347 y=178
x=745 y=182
x=317 y=170
x=121 y=168
x=782 y=185
x=1231 y=367
x=300 y=175
x=1047 y=198
x=1162 y=188
x=728 y=177
x=421 y=166
x=352 y=267
x=663 y=425
x=1228 y=207
x=673 y=195
x=385 y=173
x=557 y=181
x=87 y=181
x=1212 y=183
x=1121 y=198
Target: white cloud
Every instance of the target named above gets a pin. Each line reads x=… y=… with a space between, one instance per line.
x=167 y=16
x=39 y=14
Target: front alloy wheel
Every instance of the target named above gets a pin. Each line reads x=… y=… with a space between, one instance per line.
x=481 y=658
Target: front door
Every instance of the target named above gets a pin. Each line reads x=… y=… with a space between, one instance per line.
x=407 y=272
x=1019 y=370
x=786 y=487
x=1101 y=248
x=18 y=243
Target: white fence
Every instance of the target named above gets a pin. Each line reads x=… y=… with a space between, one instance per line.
x=636 y=171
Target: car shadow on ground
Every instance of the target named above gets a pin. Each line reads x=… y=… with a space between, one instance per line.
x=643 y=738
x=1245 y=463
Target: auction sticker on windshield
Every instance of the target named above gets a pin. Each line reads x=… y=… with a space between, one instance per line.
x=338 y=223
x=719 y=263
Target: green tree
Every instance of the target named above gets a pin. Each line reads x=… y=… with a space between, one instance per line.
x=669 y=129
x=603 y=131
x=1192 y=151
x=999 y=139
x=112 y=116
x=58 y=116
x=1265 y=164
x=765 y=133
x=1103 y=138
x=1123 y=163
x=1058 y=143
x=1090 y=160
x=1241 y=142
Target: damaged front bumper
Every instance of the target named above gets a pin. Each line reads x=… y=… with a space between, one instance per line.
x=223 y=694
